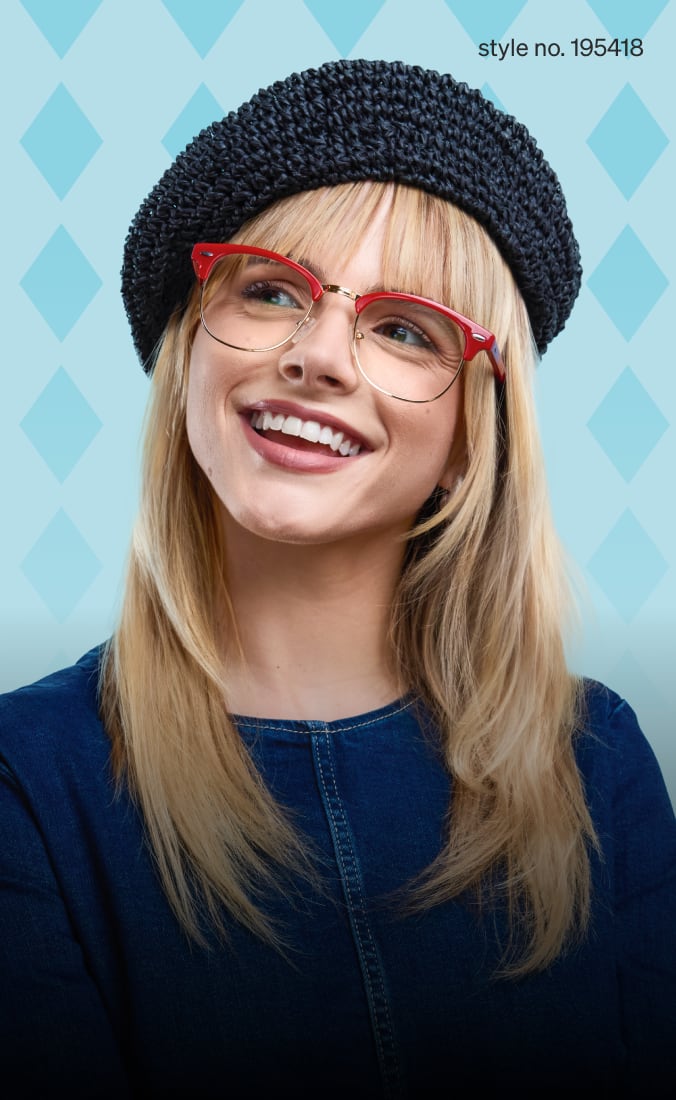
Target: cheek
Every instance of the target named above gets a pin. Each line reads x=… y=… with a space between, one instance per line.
x=202 y=413
x=432 y=443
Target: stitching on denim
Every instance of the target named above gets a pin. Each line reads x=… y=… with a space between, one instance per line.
x=367 y=951
x=336 y=729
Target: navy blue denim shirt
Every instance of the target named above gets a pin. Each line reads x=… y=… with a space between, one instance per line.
x=105 y=996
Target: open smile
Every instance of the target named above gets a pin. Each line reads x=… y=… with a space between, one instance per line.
x=299 y=438
x=309 y=431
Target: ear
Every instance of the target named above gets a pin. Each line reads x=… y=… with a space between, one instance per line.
x=456 y=464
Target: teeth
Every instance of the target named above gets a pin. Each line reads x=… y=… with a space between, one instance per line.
x=272 y=422
x=311 y=430
x=292 y=425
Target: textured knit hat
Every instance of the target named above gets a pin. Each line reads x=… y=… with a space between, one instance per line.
x=346 y=121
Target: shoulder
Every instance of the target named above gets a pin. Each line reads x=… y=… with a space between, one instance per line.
x=54 y=720
x=609 y=734
x=624 y=786
x=603 y=707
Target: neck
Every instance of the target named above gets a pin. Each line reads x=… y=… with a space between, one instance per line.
x=312 y=627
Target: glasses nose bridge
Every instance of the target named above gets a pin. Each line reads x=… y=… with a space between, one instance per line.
x=311 y=319
x=343 y=292
x=334 y=288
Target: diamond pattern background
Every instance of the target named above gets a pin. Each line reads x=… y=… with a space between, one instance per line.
x=627 y=566
x=627 y=283
x=61 y=424
x=63 y=586
x=102 y=93
x=201 y=109
x=345 y=23
x=61 y=23
x=204 y=23
x=627 y=123
x=626 y=17
x=627 y=424
x=61 y=141
x=61 y=283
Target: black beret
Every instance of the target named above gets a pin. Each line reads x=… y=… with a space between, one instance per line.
x=346 y=121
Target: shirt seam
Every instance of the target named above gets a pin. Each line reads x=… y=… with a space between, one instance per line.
x=354 y=891
x=318 y=726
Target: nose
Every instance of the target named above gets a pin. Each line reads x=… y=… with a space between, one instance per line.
x=320 y=353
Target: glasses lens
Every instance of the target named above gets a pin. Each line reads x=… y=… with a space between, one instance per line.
x=408 y=349
x=253 y=303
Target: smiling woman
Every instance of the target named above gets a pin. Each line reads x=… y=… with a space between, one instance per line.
x=388 y=452
x=330 y=797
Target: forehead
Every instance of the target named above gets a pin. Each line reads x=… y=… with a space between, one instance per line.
x=356 y=260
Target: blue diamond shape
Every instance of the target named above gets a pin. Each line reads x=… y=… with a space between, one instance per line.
x=346 y=22
x=197 y=113
x=61 y=141
x=627 y=283
x=487 y=20
x=627 y=565
x=627 y=424
x=627 y=141
x=61 y=566
x=488 y=93
x=202 y=21
x=628 y=671
x=61 y=283
x=61 y=22
x=626 y=18
x=61 y=424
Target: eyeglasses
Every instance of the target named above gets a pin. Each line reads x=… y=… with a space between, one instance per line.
x=407 y=347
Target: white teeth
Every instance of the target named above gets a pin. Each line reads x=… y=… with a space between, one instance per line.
x=292 y=425
x=272 y=422
x=311 y=430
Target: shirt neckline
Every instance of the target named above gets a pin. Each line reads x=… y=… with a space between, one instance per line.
x=247 y=723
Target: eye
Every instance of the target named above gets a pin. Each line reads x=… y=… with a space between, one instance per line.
x=272 y=294
x=401 y=330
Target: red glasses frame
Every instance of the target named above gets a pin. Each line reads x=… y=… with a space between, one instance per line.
x=477 y=338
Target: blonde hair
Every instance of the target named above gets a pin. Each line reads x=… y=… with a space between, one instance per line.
x=476 y=624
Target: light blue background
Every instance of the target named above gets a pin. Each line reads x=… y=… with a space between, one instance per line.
x=102 y=94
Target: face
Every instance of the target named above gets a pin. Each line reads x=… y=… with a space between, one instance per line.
x=292 y=489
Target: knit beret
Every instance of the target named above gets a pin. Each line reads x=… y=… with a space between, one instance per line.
x=347 y=121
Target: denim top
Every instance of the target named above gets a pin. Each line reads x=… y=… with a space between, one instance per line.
x=105 y=996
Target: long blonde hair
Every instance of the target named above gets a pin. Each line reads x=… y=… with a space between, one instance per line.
x=476 y=625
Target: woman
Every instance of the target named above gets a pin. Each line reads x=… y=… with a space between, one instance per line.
x=427 y=853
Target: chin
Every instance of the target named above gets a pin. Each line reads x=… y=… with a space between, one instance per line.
x=291 y=526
